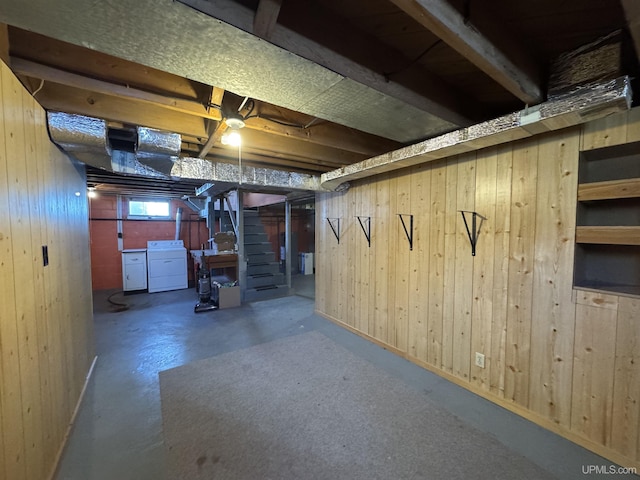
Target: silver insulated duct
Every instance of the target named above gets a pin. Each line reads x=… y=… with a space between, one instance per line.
x=158 y=150
x=152 y=153
x=83 y=137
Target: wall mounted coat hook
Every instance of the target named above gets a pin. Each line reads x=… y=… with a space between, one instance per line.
x=475 y=228
x=365 y=229
x=334 y=223
x=407 y=231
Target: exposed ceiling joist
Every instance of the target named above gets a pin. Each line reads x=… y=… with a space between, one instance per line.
x=435 y=97
x=632 y=14
x=331 y=83
x=217 y=94
x=4 y=43
x=63 y=98
x=220 y=154
x=518 y=74
x=293 y=125
x=266 y=18
x=49 y=74
x=94 y=64
x=213 y=139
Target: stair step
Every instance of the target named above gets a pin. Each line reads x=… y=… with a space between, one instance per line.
x=262 y=247
x=264 y=280
x=265 y=293
x=266 y=267
x=251 y=229
x=259 y=258
x=255 y=237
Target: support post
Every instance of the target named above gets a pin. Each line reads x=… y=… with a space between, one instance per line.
x=287 y=241
x=242 y=261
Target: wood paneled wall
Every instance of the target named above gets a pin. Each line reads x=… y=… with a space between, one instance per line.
x=567 y=359
x=46 y=336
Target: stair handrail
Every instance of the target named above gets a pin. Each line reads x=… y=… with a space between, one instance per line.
x=232 y=215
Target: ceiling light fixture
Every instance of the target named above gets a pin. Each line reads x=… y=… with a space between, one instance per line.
x=232 y=135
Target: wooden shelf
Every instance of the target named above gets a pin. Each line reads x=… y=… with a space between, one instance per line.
x=608 y=235
x=627 y=188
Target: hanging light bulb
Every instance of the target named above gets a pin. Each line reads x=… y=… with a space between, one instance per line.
x=232 y=138
x=232 y=135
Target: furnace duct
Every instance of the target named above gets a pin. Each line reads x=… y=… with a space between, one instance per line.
x=156 y=154
x=580 y=106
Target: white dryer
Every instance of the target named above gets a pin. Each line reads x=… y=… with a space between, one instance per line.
x=166 y=265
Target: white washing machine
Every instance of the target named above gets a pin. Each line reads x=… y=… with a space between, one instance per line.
x=166 y=265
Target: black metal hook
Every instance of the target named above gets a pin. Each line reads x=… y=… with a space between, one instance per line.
x=367 y=231
x=474 y=232
x=409 y=232
x=335 y=232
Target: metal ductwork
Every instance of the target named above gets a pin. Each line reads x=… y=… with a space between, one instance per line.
x=152 y=153
x=156 y=152
x=585 y=104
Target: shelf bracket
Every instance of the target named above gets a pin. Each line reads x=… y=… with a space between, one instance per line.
x=335 y=228
x=475 y=228
x=366 y=230
x=408 y=232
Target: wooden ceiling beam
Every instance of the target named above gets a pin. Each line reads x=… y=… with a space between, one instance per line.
x=434 y=97
x=48 y=74
x=129 y=111
x=213 y=139
x=266 y=18
x=90 y=63
x=632 y=14
x=4 y=43
x=253 y=140
x=515 y=71
x=289 y=124
x=217 y=94
x=255 y=159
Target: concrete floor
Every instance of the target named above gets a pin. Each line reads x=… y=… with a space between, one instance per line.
x=118 y=431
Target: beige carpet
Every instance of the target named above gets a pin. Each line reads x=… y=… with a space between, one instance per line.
x=303 y=407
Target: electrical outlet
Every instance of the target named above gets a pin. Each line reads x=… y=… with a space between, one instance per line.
x=479 y=360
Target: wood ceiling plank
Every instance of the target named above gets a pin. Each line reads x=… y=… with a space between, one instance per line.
x=266 y=18
x=49 y=74
x=83 y=102
x=518 y=74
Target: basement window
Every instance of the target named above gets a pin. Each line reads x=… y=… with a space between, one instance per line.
x=149 y=209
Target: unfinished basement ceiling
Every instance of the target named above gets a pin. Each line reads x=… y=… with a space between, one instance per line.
x=323 y=84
